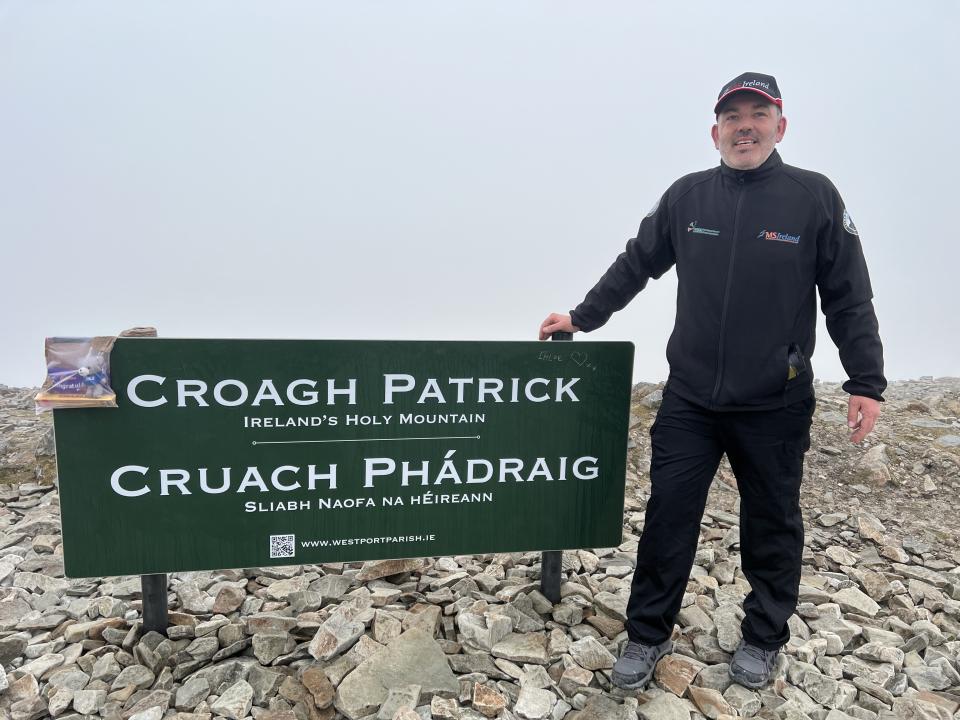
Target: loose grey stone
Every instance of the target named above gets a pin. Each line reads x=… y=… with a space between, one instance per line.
x=106 y=668
x=191 y=693
x=319 y=686
x=11 y=647
x=384 y=568
x=664 y=707
x=136 y=675
x=335 y=636
x=483 y=631
x=523 y=648
x=614 y=605
x=727 y=620
x=69 y=678
x=414 y=658
x=236 y=702
x=819 y=687
x=8 y=564
x=600 y=707
x=331 y=587
x=231 y=650
x=192 y=600
x=844 y=629
x=385 y=627
x=154 y=713
x=228 y=599
x=852 y=600
x=39 y=583
x=694 y=617
x=42 y=664
x=89 y=702
x=267 y=622
x=591 y=654
x=406 y=697
x=468 y=664
x=32 y=708
x=60 y=701
x=444 y=709
x=153 y=699
x=715 y=677
x=268 y=646
x=264 y=682
x=746 y=702
x=567 y=614
x=282 y=589
x=535 y=676
x=534 y=704
x=925 y=677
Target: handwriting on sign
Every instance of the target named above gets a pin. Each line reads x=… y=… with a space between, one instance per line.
x=582 y=359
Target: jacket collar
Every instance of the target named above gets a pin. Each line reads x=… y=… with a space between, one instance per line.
x=770 y=166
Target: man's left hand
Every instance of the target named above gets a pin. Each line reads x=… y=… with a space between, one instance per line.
x=862 y=414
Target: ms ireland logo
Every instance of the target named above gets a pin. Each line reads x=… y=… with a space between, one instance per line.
x=781 y=236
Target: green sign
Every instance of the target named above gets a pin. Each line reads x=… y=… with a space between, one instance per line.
x=240 y=453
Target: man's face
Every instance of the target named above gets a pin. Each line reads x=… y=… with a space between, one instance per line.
x=747 y=129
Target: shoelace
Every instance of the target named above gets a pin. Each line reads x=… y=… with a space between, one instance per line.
x=764 y=656
x=636 y=651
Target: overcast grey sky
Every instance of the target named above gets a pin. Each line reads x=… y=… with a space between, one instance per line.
x=440 y=170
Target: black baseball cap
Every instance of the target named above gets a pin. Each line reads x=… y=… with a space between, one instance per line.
x=759 y=83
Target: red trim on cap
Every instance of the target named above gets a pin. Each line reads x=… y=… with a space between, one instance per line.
x=776 y=101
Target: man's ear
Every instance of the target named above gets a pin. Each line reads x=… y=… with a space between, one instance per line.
x=781 y=128
x=715 y=134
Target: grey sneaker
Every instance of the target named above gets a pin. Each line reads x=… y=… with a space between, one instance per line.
x=751 y=666
x=635 y=667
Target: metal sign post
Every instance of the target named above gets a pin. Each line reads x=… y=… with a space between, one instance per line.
x=551 y=561
x=153 y=588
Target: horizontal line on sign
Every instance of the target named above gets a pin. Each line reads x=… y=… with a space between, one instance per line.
x=299 y=442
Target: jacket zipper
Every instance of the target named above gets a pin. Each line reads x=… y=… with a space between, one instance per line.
x=726 y=293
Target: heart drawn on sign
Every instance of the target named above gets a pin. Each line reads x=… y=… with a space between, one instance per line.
x=578 y=357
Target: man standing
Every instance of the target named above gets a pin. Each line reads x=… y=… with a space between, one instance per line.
x=752 y=239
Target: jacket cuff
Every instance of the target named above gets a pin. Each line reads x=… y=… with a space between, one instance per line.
x=853 y=388
x=581 y=322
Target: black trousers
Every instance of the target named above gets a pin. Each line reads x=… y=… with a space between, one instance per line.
x=765 y=449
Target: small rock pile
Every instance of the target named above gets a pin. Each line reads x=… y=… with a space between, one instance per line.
x=876 y=634
x=27 y=452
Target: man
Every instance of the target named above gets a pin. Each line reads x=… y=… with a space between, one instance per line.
x=752 y=239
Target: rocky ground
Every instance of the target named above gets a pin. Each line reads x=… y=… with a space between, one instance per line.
x=876 y=634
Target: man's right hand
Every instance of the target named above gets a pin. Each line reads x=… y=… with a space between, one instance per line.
x=556 y=323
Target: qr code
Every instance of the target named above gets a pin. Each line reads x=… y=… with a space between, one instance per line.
x=281 y=546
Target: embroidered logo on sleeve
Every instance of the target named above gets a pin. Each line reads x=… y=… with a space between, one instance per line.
x=848 y=224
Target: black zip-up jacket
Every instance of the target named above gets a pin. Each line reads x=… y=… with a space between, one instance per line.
x=750 y=248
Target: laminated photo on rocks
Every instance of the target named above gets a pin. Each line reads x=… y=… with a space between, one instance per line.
x=78 y=374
